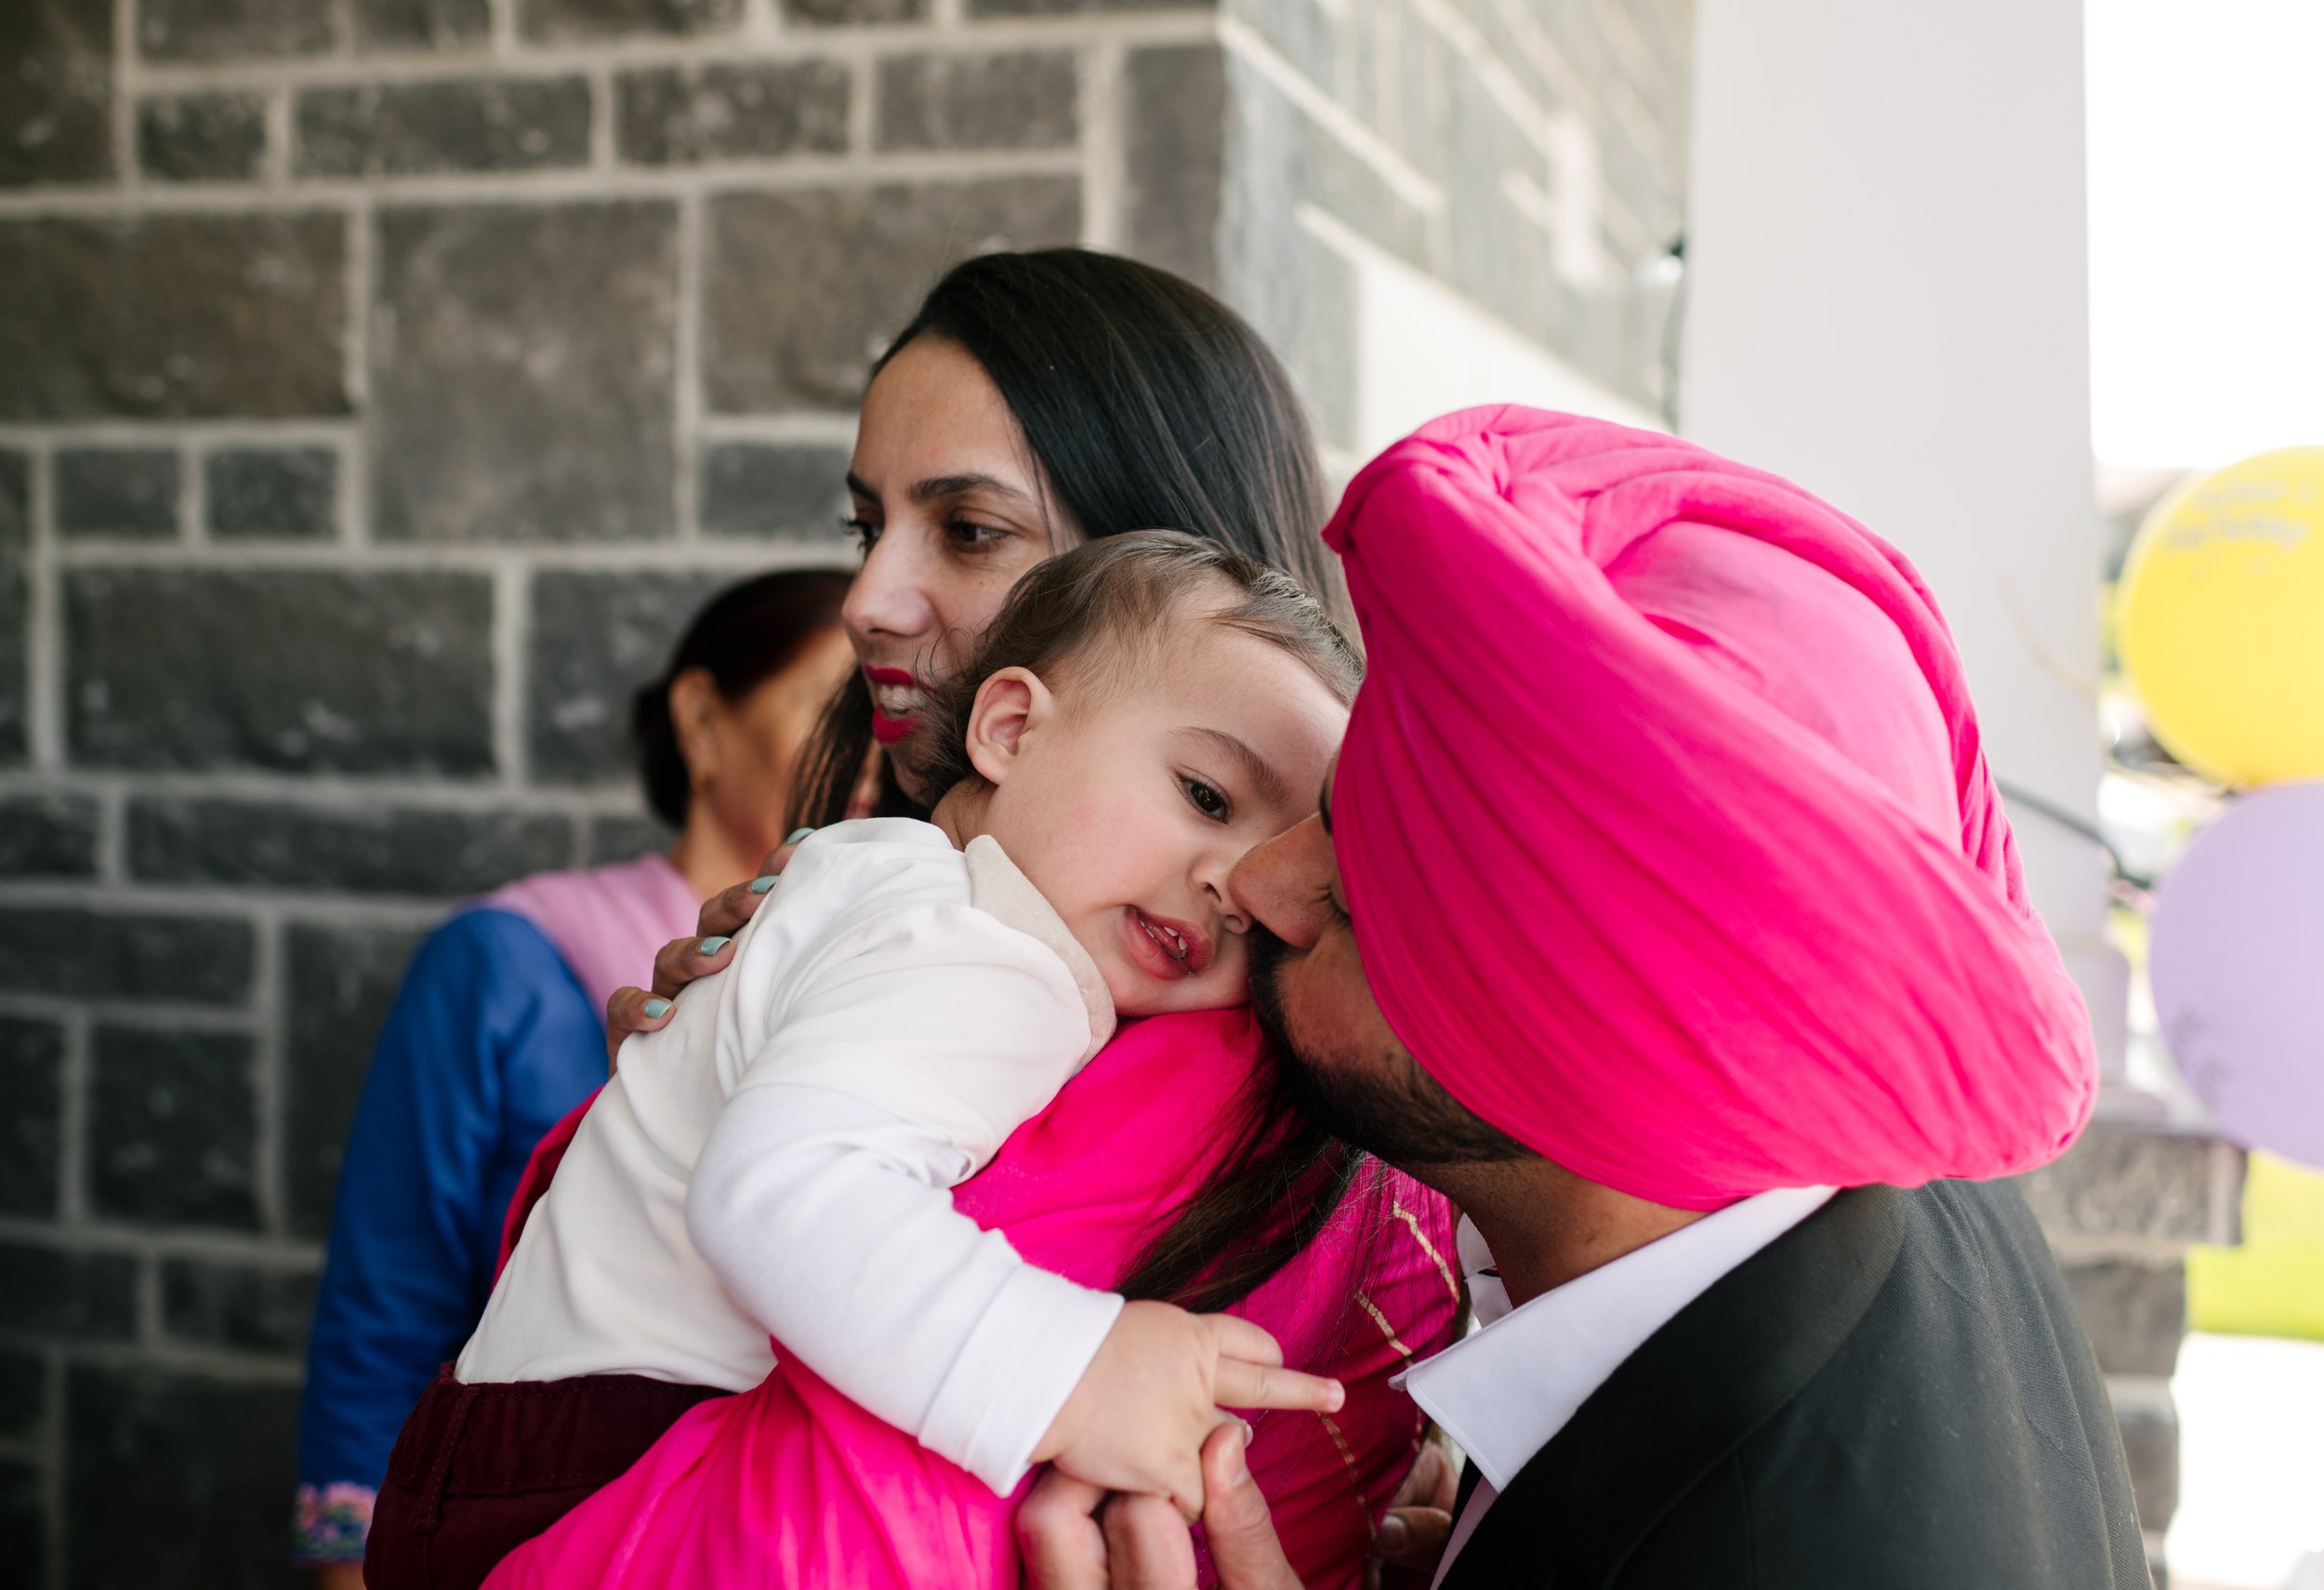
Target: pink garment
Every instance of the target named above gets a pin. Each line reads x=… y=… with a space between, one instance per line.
x=606 y=922
x=1667 y=837
x=790 y=1484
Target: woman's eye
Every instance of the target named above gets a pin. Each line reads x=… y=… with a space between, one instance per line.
x=967 y=533
x=1206 y=799
x=864 y=530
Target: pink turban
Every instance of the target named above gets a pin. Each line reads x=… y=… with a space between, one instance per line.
x=1666 y=832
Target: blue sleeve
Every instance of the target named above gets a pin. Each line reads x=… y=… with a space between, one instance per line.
x=490 y=1042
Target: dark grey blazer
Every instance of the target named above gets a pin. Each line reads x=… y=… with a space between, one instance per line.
x=1893 y=1395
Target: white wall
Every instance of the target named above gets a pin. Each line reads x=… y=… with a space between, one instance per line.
x=1888 y=302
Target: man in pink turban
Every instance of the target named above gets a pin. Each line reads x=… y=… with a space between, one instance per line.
x=1663 y=913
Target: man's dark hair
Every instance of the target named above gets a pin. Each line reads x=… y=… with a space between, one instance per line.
x=1394 y=1109
x=1147 y=403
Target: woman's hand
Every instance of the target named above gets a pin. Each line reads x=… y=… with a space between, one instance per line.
x=1419 y=1521
x=682 y=961
x=1073 y=1536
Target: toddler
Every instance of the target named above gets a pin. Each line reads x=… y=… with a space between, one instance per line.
x=776 y=1162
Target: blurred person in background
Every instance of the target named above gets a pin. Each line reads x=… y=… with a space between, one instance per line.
x=496 y=1034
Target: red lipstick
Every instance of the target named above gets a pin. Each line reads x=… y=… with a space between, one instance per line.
x=887 y=730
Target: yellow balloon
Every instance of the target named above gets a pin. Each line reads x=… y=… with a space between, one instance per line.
x=2222 y=619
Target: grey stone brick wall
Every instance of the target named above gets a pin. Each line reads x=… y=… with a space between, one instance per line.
x=2122 y=1209
x=382 y=382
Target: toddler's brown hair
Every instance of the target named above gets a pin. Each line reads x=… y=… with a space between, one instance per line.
x=1103 y=605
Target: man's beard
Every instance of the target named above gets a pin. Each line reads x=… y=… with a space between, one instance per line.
x=1385 y=1104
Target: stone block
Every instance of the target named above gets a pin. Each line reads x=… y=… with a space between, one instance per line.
x=202 y=137
x=851 y=13
x=58 y=1291
x=223 y=30
x=1017 y=100
x=306 y=669
x=242 y=1307
x=675 y=115
x=200 y=1462
x=172 y=316
x=63 y=951
x=15 y=533
x=2150 y=1440
x=517 y=123
x=1174 y=121
x=341 y=981
x=173 y=1127
x=16 y=502
x=48 y=836
x=290 y=495
x=32 y=1123
x=422 y=24
x=613 y=19
x=982 y=8
x=621 y=838
x=2134 y=1312
x=116 y=491
x=364 y=849
x=522 y=372
x=23 y=1517
x=23 y=1395
x=2119 y=1180
x=781 y=491
x=55 y=91
x=596 y=639
x=803 y=288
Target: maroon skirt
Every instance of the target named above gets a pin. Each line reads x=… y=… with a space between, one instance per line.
x=479 y=1470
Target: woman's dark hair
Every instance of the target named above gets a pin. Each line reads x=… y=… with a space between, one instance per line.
x=747 y=634
x=1082 y=617
x=1147 y=402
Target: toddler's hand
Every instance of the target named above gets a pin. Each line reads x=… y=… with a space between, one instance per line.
x=1157 y=1385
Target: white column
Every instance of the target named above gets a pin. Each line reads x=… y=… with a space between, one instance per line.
x=1888 y=302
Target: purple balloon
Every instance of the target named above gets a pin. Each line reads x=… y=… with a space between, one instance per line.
x=2237 y=963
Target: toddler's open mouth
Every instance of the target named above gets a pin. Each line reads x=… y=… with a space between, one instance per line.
x=1165 y=947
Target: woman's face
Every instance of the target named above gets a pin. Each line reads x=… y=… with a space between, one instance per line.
x=953 y=509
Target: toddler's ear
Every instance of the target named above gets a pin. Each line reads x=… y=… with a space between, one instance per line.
x=1008 y=705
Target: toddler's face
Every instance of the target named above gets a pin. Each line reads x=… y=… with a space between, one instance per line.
x=1126 y=803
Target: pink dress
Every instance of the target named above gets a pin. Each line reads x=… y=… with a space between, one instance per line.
x=790 y=1484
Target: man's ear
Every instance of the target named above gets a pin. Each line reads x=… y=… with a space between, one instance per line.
x=1008 y=706
x=693 y=714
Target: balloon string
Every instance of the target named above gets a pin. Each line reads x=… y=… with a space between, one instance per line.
x=2018 y=795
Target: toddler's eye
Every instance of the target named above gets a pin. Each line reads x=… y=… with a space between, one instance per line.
x=1206 y=799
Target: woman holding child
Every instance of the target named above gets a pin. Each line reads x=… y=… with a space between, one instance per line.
x=1102 y=747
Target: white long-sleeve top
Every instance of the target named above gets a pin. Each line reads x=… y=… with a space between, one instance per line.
x=777 y=1160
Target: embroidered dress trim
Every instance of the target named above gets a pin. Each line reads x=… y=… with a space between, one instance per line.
x=329 y=1523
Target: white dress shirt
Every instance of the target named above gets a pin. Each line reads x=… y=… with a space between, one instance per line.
x=1506 y=1390
x=777 y=1162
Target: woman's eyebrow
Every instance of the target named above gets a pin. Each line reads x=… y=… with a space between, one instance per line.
x=1254 y=766
x=937 y=487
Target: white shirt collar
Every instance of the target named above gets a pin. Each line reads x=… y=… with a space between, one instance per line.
x=1505 y=1391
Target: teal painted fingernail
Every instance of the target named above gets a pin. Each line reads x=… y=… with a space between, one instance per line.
x=712 y=945
x=796 y=835
x=761 y=885
x=656 y=1008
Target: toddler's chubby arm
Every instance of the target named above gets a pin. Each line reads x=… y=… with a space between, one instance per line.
x=822 y=1201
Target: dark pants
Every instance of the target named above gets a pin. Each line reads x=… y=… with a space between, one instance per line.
x=479 y=1470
